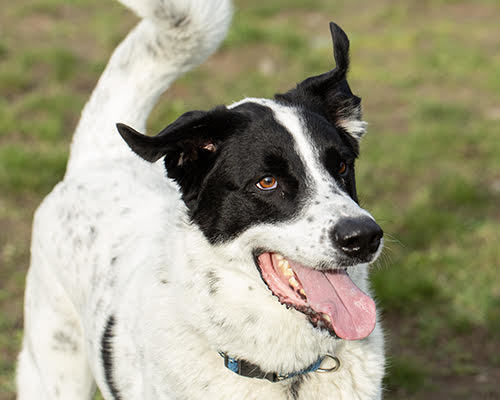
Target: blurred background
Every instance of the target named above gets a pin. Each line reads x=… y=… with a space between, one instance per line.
x=429 y=75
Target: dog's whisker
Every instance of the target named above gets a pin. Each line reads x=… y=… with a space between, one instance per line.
x=392 y=239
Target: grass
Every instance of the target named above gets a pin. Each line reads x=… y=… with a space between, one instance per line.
x=428 y=75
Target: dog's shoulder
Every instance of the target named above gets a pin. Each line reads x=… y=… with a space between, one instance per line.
x=84 y=217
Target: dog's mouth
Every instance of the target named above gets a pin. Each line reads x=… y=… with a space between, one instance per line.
x=330 y=299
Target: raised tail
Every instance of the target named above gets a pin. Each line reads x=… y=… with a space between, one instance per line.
x=173 y=37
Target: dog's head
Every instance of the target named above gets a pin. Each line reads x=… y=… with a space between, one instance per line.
x=275 y=179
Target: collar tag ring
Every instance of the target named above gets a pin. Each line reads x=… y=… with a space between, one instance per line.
x=329 y=364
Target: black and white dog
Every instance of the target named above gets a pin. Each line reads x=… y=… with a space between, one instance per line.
x=242 y=276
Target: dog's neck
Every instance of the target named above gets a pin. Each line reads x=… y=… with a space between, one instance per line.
x=238 y=314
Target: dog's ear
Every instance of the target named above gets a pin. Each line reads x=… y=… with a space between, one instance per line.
x=329 y=94
x=189 y=144
x=190 y=137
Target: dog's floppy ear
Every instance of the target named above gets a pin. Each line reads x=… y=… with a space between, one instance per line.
x=329 y=93
x=191 y=133
x=189 y=144
x=186 y=139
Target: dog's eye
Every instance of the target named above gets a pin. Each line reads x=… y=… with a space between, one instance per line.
x=267 y=183
x=342 y=169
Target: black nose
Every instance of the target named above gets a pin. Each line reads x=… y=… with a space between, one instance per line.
x=357 y=237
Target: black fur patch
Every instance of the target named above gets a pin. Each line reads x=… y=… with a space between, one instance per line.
x=295 y=387
x=333 y=148
x=229 y=201
x=107 y=356
x=219 y=186
x=329 y=94
x=218 y=156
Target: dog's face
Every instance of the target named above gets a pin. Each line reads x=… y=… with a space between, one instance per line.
x=275 y=179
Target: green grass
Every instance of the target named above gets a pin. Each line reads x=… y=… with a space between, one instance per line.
x=404 y=373
x=428 y=75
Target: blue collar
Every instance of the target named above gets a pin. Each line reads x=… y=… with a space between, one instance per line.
x=249 y=370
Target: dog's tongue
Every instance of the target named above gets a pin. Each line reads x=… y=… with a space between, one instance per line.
x=333 y=293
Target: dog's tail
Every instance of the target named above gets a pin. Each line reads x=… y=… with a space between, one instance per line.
x=173 y=37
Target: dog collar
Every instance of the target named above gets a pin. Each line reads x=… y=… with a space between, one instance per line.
x=249 y=370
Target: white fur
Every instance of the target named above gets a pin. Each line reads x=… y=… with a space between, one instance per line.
x=113 y=239
x=355 y=127
x=350 y=120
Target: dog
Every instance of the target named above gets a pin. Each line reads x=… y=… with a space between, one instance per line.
x=224 y=258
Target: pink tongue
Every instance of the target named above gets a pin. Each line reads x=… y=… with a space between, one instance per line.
x=333 y=293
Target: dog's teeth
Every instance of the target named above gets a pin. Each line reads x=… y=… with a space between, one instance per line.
x=327 y=317
x=287 y=271
x=302 y=292
x=285 y=268
x=293 y=282
x=279 y=257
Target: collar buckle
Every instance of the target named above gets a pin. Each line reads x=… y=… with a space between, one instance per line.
x=231 y=363
x=280 y=378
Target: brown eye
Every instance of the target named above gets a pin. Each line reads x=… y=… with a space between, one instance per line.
x=267 y=183
x=342 y=168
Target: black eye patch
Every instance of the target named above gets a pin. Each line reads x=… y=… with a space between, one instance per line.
x=229 y=202
x=332 y=161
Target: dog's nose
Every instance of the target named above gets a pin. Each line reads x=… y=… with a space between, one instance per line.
x=357 y=237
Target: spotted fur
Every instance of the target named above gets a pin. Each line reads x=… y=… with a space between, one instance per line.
x=137 y=280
